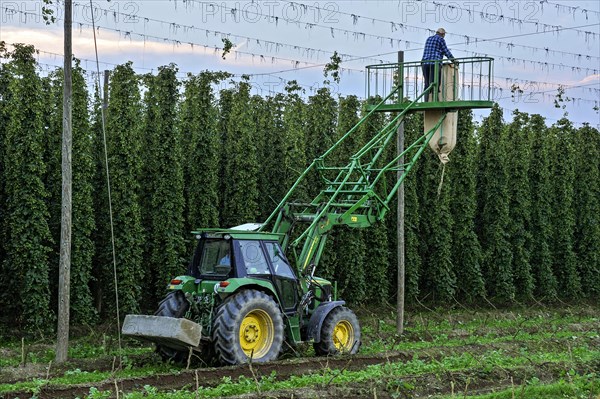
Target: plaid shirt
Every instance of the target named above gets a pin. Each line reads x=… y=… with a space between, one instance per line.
x=435 y=48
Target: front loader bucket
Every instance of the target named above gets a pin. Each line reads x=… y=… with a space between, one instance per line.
x=178 y=334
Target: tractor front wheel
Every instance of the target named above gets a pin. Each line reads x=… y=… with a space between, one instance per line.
x=174 y=305
x=248 y=327
x=340 y=333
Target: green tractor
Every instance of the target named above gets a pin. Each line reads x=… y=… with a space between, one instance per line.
x=250 y=292
x=250 y=303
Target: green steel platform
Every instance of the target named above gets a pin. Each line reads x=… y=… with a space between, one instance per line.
x=465 y=85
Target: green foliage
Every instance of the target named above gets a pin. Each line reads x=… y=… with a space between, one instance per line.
x=48 y=13
x=227 y=46
x=241 y=167
x=541 y=225
x=101 y=236
x=563 y=213
x=466 y=251
x=52 y=89
x=225 y=103
x=270 y=149
x=162 y=190
x=571 y=386
x=350 y=248
x=27 y=237
x=124 y=157
x=517 y=214
x=333 y=67
x=376 y=264
x=519 y=154
x=493 y=208
x=320 y=134
x=587 y=206
x=413 y=128
x=84 y=224
x=4 y=98
x=198 y=124
x=321 y=123
x=439 y=277
x=375 y=239
x=294 y=126
x=283 y=147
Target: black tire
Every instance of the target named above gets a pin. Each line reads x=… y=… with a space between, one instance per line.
x=174 y=305
x=248 y=325
x=340 y=333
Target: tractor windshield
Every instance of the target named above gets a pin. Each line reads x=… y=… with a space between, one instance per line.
x=216 y=258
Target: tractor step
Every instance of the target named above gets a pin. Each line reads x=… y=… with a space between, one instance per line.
x=178 y=334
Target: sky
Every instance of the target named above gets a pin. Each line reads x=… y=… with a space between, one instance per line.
x=537 y=46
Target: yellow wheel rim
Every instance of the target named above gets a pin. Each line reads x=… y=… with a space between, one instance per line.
x=256 y=334
x=343 y=336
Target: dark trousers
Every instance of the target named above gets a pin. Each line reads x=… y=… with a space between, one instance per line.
x=428 y=75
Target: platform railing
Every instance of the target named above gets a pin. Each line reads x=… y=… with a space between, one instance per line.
x=471 y=80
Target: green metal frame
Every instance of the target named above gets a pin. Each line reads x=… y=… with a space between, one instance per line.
x=359 y=193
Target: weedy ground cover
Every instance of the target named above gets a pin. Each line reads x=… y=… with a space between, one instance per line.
x=483 y=354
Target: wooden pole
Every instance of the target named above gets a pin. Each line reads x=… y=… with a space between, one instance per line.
x=64 y=270
x=400 y=226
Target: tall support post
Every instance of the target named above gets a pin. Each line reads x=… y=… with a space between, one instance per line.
x=400 y=226
x=64 y=270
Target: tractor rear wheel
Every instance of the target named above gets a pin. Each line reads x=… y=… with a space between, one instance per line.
x=174 y=305
x=340 y=333
x=248 y=326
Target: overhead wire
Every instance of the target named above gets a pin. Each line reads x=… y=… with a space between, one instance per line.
x=177 y=25
x=93 y=74
x=395 y=24
x=532 y=62
x=309 y=65
x=500 y=17
x=296 y=63
x=565 y=87
x=357 y=34
x=313 y=65
x=470 y=39
x=572 y=9
x=420 y=49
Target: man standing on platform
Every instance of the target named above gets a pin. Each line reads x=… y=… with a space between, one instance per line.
x=435 y=50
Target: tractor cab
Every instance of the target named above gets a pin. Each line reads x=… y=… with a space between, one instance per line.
x=245 y=258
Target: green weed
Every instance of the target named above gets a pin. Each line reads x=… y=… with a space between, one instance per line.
x=575 y=387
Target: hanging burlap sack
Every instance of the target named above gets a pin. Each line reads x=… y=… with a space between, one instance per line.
x=449 y=86
x=444 y=138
